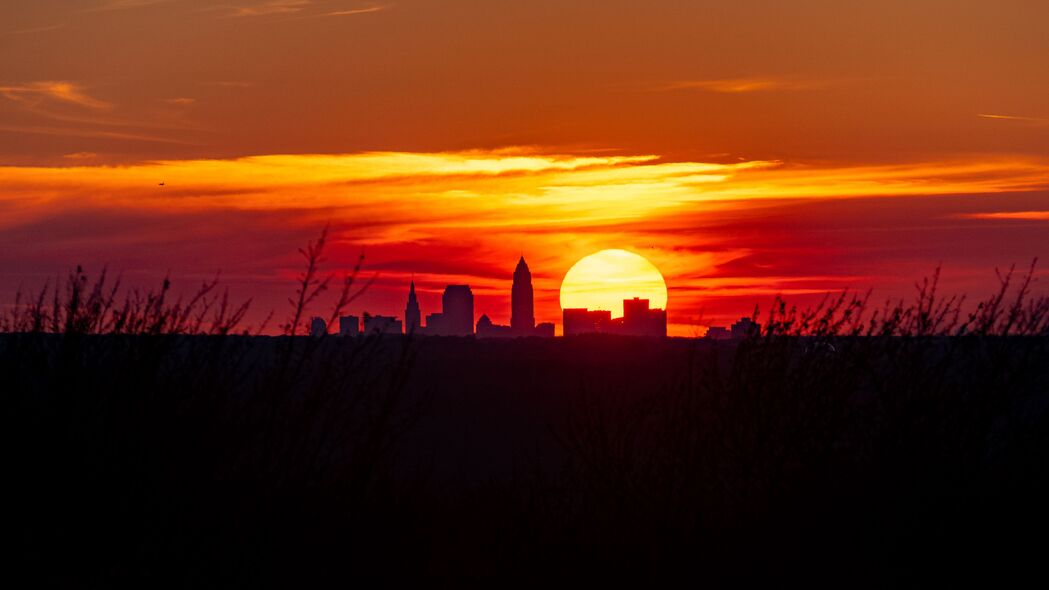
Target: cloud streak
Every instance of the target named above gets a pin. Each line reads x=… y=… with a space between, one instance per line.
x=116 y=5
x=90 y=133
x=738 y=85
x=269 y=8
x=62 y=91
x=1013 y=118
x=64 y=108
x=367 y=10
x=1019 y=215
x=30 y=31
x=298 y=9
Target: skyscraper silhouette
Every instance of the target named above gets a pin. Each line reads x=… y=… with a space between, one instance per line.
x=458 y=304
x=522 y=305
x=411 y=312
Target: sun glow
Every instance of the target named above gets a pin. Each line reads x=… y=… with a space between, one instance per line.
x=718 y=231
x=604 y=279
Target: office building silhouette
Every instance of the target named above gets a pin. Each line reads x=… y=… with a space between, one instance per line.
x=349 y=325
x=522 y=311
x=434 y=325
x=318 y=327
x=457 y=314
x=638 y=320
x=486 y=329
x=522 y=303
x=544 y=330
x=583 y=321
x=412 y=316
x=458 y=310
x=380 y=324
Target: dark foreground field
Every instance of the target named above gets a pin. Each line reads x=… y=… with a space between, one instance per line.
x=838 y=460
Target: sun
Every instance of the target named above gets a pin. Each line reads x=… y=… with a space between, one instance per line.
x=604 y=279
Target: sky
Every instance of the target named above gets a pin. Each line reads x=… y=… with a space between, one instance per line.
x=748 y=149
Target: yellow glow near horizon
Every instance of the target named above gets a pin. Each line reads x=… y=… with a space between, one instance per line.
x=551 y=186
x=604 y=279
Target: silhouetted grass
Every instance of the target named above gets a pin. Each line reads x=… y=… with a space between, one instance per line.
x=157 y=440
x=837 y=443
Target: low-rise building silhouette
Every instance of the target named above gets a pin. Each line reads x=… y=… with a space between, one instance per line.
x=318 y=327
x=380 y=324
x=741 y=329
x=486 y=329
x=718 y=333
x=434 y=325
x=349 y=325
x=638 y=320
x=744 y=327
x=583 y=321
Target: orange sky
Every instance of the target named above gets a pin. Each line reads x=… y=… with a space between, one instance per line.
x=746 y=148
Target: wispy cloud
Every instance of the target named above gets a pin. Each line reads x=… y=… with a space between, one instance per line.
x=1019 y=215
x=227 y=83
x=33 y=30
x=89 y=133
x=82 y=115
x=66 y=109
x=301 y=9
x=181 y=101
x=353 y=11
x=1012 y=118
x=68 y=92
x=738 y=85
x=79 y=156
x=271 y=7
x=113 y=5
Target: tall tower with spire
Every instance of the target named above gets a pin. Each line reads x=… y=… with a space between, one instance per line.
x=522 y=305
x=411 y=312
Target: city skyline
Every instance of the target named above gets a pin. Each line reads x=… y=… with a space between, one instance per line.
x=457 y=316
